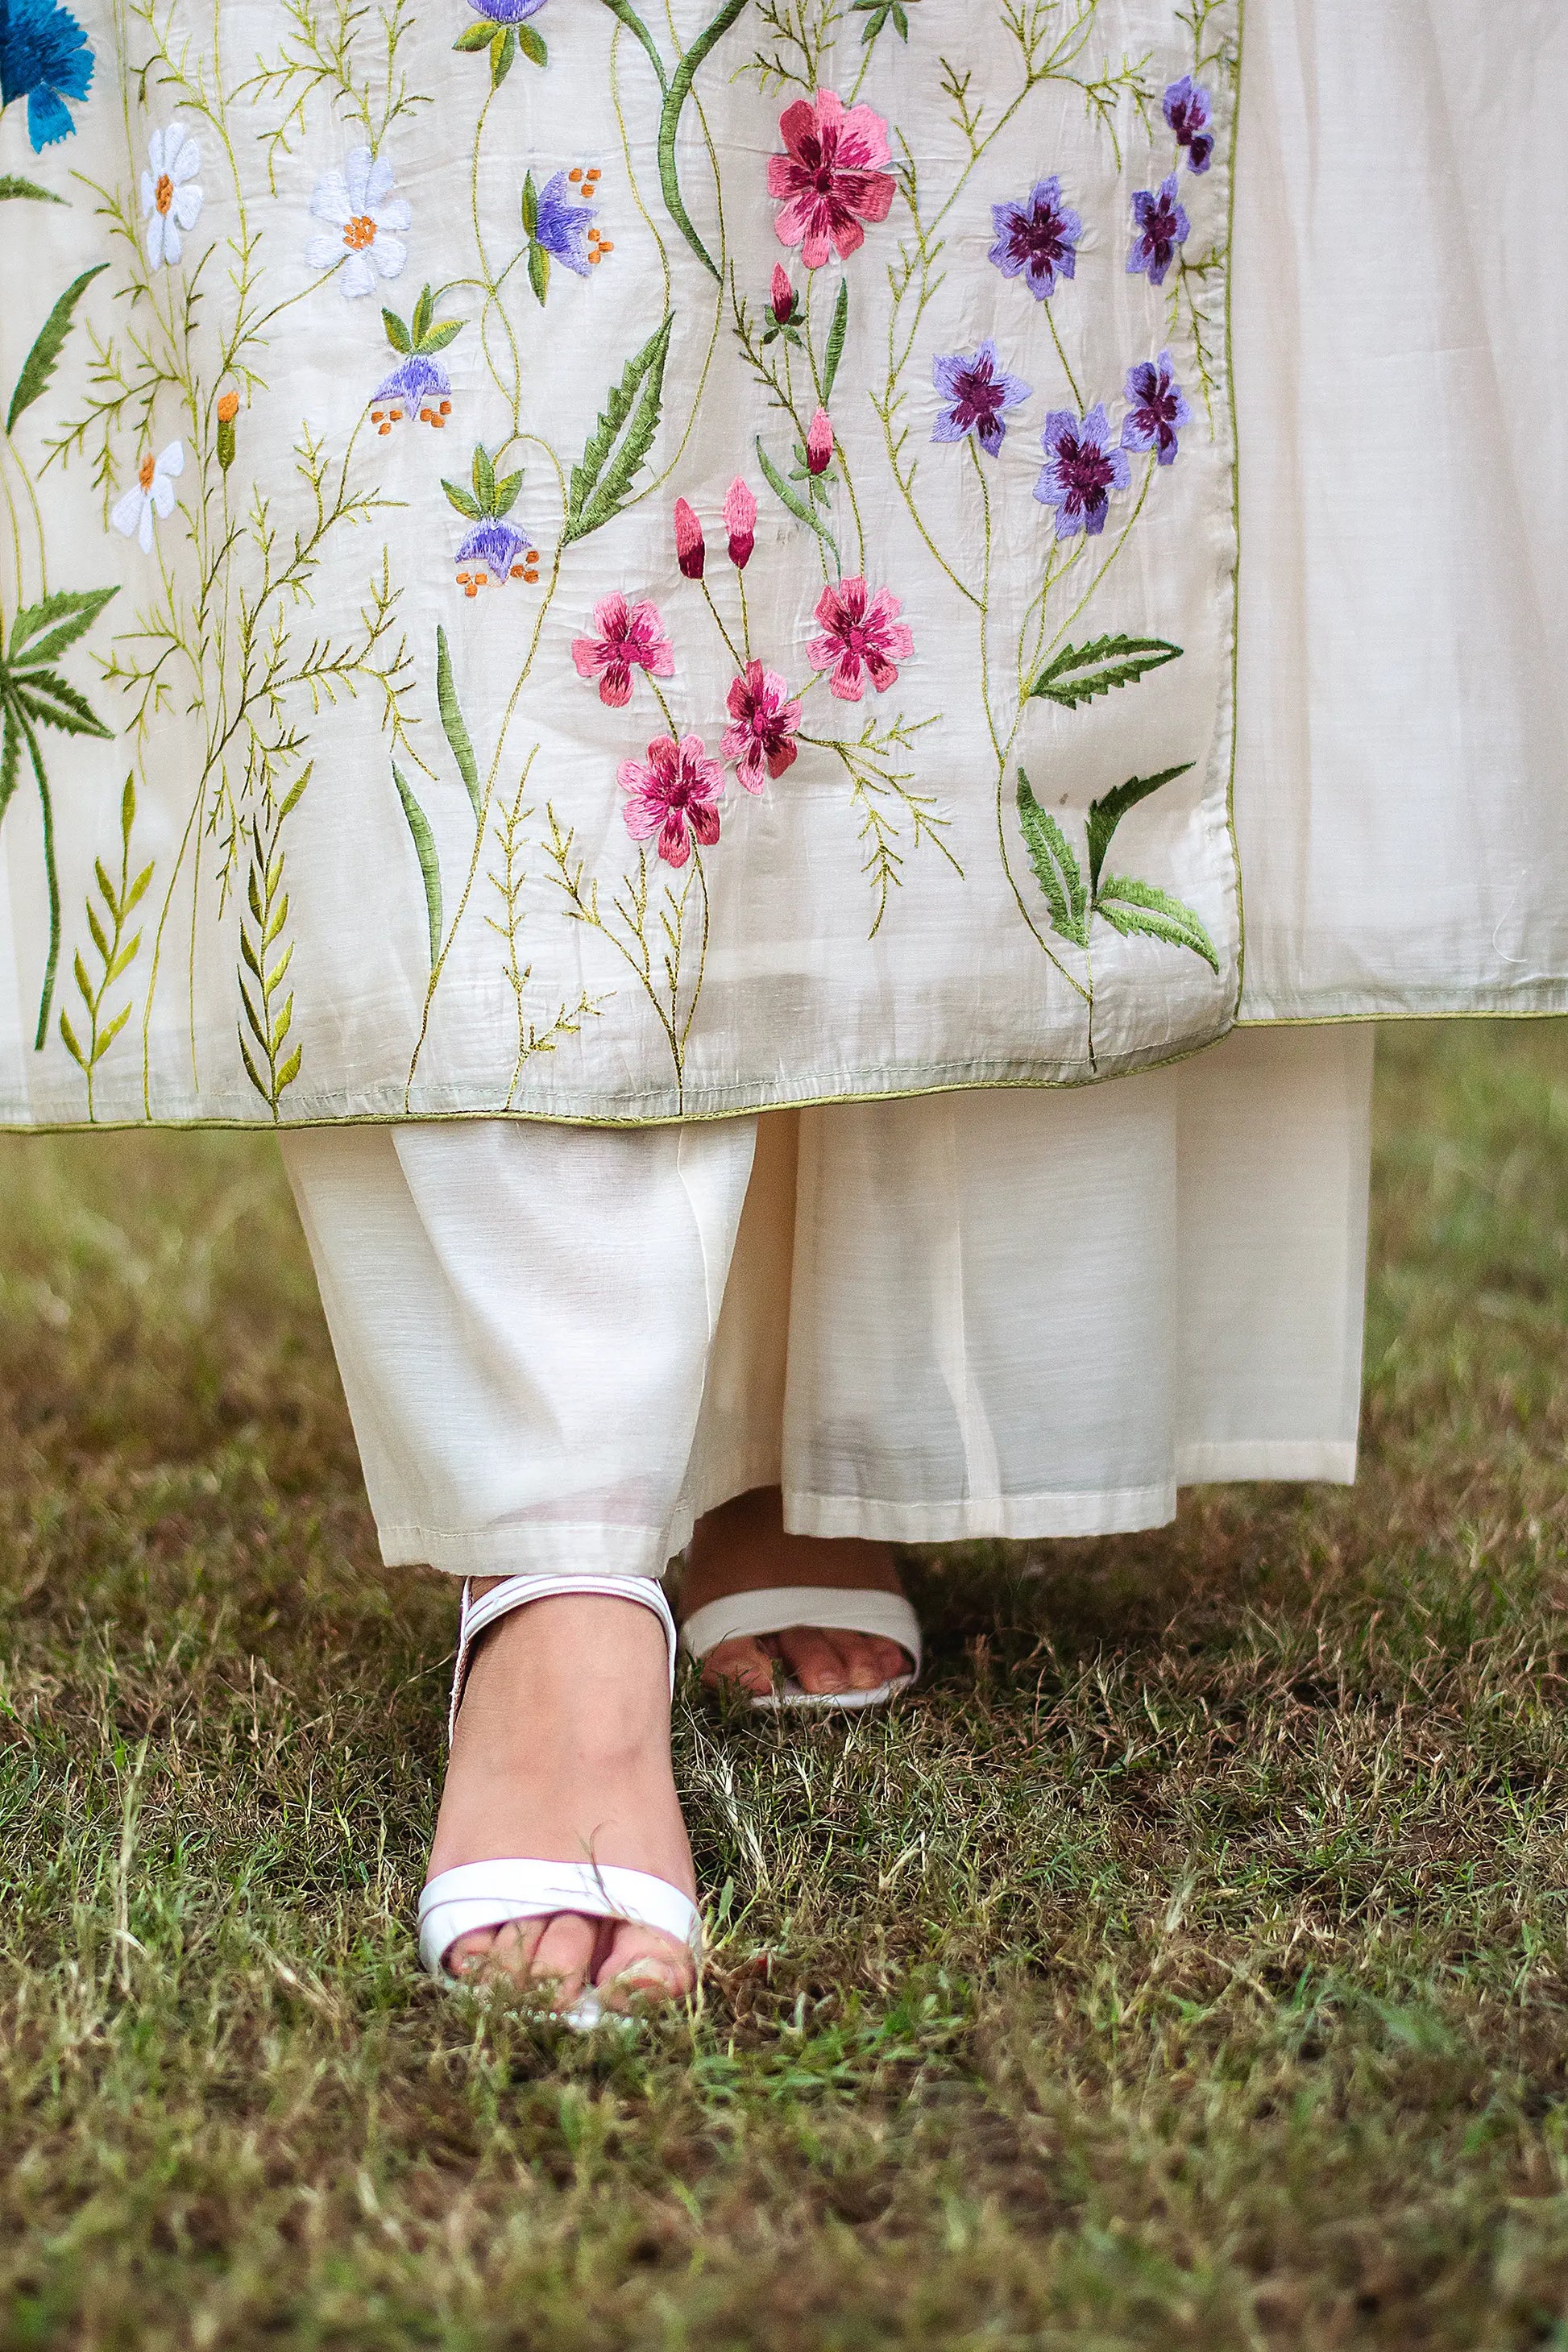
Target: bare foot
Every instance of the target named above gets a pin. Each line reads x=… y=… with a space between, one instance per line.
x=743 y=1547
x=561 y=1754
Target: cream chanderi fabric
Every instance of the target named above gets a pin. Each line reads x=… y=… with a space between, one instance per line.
x=626 y=565
x=558 y=1344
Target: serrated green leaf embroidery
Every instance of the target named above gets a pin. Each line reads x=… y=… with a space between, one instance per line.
x=1106 y=815
x=11 y=185
x=1056 y=869
x=620 y=441
x=40 y=364
x=1080 y=673
x=1140 y=910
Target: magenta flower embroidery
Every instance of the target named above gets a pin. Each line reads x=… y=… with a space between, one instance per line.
x=740 y=522
x=630 y=636
x=690 y=548
x=1158 y=412
x=976 y=389
x=862 y=636
x=1162 y=226
x=1036 y=238
x=1082 y=467
x=762 y=741
x=832 y=178
x=819 y=443
x=1189 y=110
x=672 y=794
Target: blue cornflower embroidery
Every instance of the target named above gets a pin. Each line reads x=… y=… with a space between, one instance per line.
x=45 y=58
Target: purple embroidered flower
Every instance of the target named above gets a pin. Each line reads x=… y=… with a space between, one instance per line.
x=1082 y=467
x=1189 y=110
x=418 y=387
x=506 y=12
x=562 y=223
x=1162 y=226
x=1158 y=412
x=1036 y=238
x=975 y=392
x=498 y=549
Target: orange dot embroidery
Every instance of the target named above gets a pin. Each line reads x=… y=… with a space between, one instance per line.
x=163 y=193
x=359 y=233
x=144 y=472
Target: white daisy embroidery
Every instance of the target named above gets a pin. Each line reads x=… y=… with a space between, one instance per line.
x=151 y=494
x=366 y=217
x=170 y=199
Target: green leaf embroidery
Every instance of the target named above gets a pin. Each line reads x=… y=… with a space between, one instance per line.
x=41 y=633
x=835 y=335
x=439 y=337
x=40 y=364
x=460 y=499
x=680 y=90
x=800 y=507
x=532 y=44
x=424 y=311
x=429 y=864
x=1078 y=673
x=397 y=335
x=50 y=698
x=503 y=57
x=452 y=724
x=639 y=31
x=1105 y=815
x=529 y=205
x=538 y=270
x=620 y=441
x=475 y=37
x=1139 y=908
x=1057 y=870
x=10 y=185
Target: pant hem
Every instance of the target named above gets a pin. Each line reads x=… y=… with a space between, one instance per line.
x=1329 y=1462
x=1011 y=1519
x=513 y=1551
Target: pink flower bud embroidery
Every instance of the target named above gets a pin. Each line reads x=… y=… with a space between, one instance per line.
x=690 y=550
x=819 y=443
x=783 y=295
x=740 y=522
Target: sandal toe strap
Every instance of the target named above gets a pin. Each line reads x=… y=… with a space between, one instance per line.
x=497 y=1894
x=886 y=1616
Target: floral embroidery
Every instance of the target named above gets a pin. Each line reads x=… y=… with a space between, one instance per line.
x=782 y=304
x=673 y=794
x=762 y=741
x=1038 y=239
x=862 y=638
x=1189 y=110
x=171 y=200
x=419 y=385
x=630 y=636
x=228 y=437
x=45 y=58
x=818 y=448
x=151 y=496
x=1159 y=409
x=833 y=177
x=370 y=221
x=740 y=522
x=1082 y=467
x=1162 y=226
x=506 y=12
x=976 y=389
x=562 y=226
x=501 y=552
x=691 y=550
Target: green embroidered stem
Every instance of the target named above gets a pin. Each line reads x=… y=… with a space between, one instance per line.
x=675 y=95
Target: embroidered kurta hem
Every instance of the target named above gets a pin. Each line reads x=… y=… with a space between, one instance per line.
x=590 y=567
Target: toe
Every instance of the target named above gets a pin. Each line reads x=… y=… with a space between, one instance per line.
x=815 y=1661
x=743 y=1661
x=563 y=1957
x=472 y=1955
x=644 y=1966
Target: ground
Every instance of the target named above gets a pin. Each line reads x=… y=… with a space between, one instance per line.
x=1182 y=1966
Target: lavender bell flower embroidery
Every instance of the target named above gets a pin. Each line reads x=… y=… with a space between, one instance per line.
x=418 y=387
x=1189 y=110
x=1038 y=239
x=975 y=390
x=500 y=547
x=1082 y=467
x=1162 y=226
x=562 y=223
x=1158 y=411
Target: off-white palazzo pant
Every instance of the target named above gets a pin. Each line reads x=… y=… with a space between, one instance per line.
x=1010 y=1314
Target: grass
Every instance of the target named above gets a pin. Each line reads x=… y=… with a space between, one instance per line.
x=1184 y=1968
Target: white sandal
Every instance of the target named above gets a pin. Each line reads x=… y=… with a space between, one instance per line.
x=496 y=1894
x=886 y=1616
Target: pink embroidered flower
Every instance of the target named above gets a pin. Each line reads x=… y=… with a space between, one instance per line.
x=767 y=723
x=630 y=636
x=672 y=794
x=861 y=633
x=690 y=549
x=833 y=176
x=782 y=303
x=740 y=522
x=819 y=443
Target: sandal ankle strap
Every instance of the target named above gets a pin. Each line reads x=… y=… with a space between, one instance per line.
x=517 y=1591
